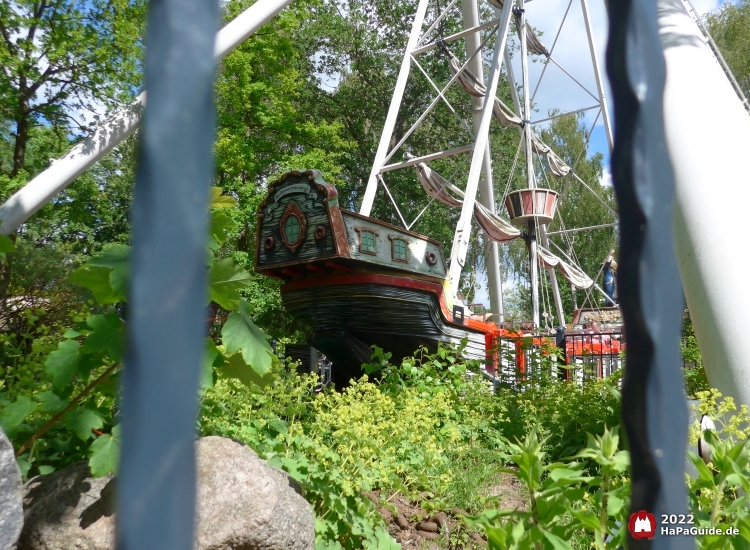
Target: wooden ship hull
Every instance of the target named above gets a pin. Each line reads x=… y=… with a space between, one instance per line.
x=353 y=282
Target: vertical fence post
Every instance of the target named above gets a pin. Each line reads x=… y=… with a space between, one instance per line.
x=166 y=326
x=654 y=406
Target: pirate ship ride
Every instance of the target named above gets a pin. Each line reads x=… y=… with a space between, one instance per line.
x=352 y=281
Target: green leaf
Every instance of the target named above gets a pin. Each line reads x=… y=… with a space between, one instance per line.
x=6 y=246
x=236 y=367
x=225 y=282
x=221 y=223
x=46 y=469
x=496 y=536
x=557 y=542
x=217 y=200
x=117 y=258
x=63 y=363
x=107 y=336
x=207 y=369
x=14 y=414
x=614 y=505
x=96 y=279
x=587 y=518
x=240 y=334
x=50 y=402
x=24 y=464
x=83 y=421
x=104 y=453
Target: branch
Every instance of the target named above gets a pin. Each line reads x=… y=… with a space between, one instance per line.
x=55 y=419
x=6 y=36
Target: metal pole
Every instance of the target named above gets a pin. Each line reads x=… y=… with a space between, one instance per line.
x=40 y=190
x=533 y=260
x=167 y=291
x=390 y=119
x=597 y=74
x=463 y=229
x=486 y=190
x=553 y=281
x=512 y=83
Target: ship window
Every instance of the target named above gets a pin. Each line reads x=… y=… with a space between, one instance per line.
x=367 y=242
x=292 y=229
x=399 y=250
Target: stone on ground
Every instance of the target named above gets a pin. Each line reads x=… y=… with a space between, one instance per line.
x=11 y=495
x=243 y=504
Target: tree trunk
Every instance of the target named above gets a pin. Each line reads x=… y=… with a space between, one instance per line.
x=22 y=138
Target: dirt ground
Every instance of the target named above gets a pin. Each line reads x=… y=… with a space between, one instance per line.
x=416 y=529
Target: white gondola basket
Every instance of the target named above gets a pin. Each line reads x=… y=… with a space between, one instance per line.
x=531 y=204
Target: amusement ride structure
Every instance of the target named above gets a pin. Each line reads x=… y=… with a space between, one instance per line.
x=355 y=281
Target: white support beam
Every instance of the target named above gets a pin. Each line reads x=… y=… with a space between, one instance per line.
x=427 y=158
x=530 y=180
x=437 y=21
x=458 y=36
x=597 y=74
x=577 y=229
x=390 y=119
x=40 y=190
x=553 y=280
x=486 y=189
x=463 y=229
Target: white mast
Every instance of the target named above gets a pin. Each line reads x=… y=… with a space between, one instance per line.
x=486 y=187
x=533 y=260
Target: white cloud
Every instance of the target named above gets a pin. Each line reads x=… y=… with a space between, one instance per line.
x=606 y=180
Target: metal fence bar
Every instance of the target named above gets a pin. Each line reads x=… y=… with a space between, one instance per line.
x=654 y=406
x=167 y=298
x=520 y=359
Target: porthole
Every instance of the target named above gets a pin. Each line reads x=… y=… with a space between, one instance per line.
x=269 y=242
x=320 y=233
x=431 y=258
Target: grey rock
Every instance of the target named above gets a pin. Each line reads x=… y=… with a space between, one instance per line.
x=246 y=504
x=11 y=495
x=243 y=504
x=69 y=509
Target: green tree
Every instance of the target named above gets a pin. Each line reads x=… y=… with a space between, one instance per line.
x=61 y=58
x=729 y=27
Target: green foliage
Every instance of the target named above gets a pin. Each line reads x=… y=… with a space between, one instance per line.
x=728 y=26
x=69 y=414
x=562 y=412
x=719 y=494
x=429 y=424
x=61 y=56
x=693 y=370
x=6 y=246
x=562 y=501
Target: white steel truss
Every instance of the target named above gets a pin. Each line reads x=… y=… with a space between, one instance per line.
x=479 y=183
